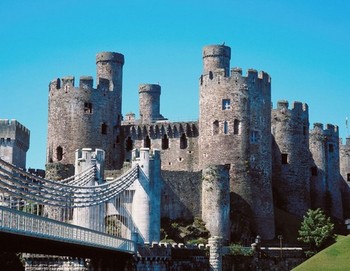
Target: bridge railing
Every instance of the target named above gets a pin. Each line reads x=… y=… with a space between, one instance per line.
x=17 y=222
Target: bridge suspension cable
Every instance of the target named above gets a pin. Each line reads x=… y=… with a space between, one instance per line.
x=72 y=194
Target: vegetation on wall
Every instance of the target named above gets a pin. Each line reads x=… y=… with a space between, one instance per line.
x=184 y=231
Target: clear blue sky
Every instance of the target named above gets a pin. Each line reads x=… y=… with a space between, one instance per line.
x=303 y=45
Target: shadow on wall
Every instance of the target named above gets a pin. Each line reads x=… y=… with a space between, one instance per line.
x=241 y=217
x=181 y=194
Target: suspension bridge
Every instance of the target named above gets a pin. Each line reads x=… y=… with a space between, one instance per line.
x=81 y=213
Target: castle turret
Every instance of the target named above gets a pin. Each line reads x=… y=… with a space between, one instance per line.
x=149 y=103
x=14 y=142
x=291 y=157
x=326 y=179
x=229 y=105
x=84 y=117
x=216 y=57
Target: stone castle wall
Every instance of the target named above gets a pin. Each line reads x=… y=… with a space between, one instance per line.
x=291 y=157
x=177 y=142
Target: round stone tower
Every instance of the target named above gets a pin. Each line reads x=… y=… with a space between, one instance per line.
x=229 y=105
x=216 y=200
x=291 y=157
x=325 y=181
x=85 y=117
x=149 y=103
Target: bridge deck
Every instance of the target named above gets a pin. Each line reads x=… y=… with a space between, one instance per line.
x=17 y=225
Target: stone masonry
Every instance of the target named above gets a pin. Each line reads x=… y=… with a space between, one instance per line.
x=275 y=161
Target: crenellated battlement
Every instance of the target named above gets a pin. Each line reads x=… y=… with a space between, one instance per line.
x=297 y=107
x=330 y=130
x=347 y=142
x=68 y=82
x=158 y=130
x=13 y=125
x=251 y=75
x=86 y=82
x=11 y=131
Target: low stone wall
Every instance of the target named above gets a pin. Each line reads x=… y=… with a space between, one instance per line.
x=167 y=257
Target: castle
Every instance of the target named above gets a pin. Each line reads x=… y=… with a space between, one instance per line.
x=234 y=167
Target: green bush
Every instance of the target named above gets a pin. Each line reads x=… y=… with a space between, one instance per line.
x=316 y=231
x=239 y=250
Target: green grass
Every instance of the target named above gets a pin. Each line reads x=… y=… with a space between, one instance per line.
x=333 y=258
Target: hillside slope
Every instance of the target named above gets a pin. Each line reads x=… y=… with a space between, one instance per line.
x=335 y=258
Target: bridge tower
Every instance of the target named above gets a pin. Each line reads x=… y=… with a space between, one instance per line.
x=146 y=200
x=85 y=116
x=92 y=217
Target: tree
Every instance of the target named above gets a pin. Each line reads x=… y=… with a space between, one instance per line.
x=316 y=230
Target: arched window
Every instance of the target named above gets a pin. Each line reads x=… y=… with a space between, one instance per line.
x=215 y=127
x=59 y=153
x=183 y=141
x=58 y=83
x=165 y=142
x=104 y=128
x=225 y=128
x=236 y=127
x=129 y=144
x=147 y=142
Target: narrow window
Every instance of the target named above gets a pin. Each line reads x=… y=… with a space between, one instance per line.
x=129 y=144
x=58 y=84
x=236 y=127
x=254 y=135
x=331 y=148
x=314 y=171
x=225 y=128
x=226 y=104
x=183 y=142
x=304 y=130
x=211 y=75
x=104 y=128
x=215 y=127
x=348 y=177
x=284 y=158
x=147 y=142
x=117 y=140
x=59 y=153
x=165 y=142
x=88 y=108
